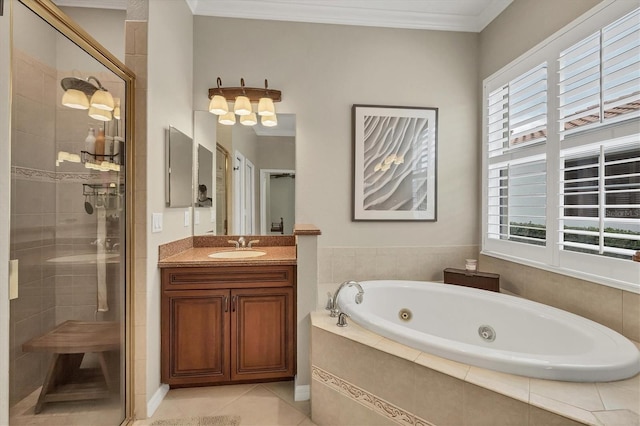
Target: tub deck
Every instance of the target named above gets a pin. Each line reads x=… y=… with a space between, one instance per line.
x=597 y=404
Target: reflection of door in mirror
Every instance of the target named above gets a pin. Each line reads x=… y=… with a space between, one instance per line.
x=277 y=201
x=222 y=170
x=253 y=150
x=205 y=177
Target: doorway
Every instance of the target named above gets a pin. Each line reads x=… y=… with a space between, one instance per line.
x=277 y=201
x=69 y=240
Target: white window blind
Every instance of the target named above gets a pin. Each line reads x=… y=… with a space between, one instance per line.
x=599 y=77
x=517 y=201
x=562 y=151
x=600 y=208
x=516 y=184
x=517 y=112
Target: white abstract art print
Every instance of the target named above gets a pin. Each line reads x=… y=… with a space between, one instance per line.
x=394 y=163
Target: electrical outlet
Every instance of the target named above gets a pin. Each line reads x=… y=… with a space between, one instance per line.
x=187 y=219
x=156 y=222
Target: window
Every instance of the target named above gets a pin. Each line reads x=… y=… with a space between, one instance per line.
x=562 y=152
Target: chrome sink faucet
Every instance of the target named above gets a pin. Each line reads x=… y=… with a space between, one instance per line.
x=332 y=304
x=242 y=243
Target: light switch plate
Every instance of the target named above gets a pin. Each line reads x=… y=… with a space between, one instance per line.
x=156 y=222
x=213 y=215
x=196 y=218
x=187 y=217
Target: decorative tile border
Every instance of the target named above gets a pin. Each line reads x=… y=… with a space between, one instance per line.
x=50 y=176
x=367 y=399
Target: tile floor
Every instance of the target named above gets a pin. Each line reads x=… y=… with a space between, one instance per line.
x=257 y=404
x=268 y=404
x=74 y=413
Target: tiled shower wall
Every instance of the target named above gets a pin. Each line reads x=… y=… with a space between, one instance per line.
x=48 y=219
x=33 y=219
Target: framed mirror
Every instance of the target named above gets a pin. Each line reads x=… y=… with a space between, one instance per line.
x=178 y=168
x=254 y=176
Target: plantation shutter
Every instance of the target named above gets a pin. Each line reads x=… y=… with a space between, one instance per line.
x=599 y=77
x=516 y=183
x=601 y=200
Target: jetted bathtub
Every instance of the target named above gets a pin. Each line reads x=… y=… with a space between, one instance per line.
x=492 y=330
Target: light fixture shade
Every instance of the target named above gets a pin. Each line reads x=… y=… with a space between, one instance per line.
x=249 y=120
x=269 y=120
x=265 y=107
x=218 y=105
x=116 y=108
x=242 y=106
x=102 y=99
x=99 y=114
x=229 y=119
x=76 y=99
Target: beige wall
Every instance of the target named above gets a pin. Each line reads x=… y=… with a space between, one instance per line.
x=322 y=71
x=169 y=102
x=521 y=26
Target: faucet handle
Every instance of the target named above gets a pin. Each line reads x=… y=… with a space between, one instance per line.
x=253 y=242
x=342 y=319
x=234 y=242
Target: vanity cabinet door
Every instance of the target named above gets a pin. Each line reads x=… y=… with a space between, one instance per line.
x=262 y=333
x=195 y=340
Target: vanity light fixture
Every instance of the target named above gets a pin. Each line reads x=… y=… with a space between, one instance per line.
x=77 y=93
x=243 y=98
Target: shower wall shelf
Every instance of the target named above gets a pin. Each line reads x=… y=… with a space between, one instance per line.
x=86 y=156
x=111 y=189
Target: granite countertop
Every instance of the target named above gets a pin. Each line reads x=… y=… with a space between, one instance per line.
x=199 y=256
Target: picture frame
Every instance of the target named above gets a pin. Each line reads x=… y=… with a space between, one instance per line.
x=394 y=163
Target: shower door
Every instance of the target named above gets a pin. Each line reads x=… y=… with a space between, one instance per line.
x=68 y=235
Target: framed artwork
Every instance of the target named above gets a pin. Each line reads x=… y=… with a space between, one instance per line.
x=394 y=171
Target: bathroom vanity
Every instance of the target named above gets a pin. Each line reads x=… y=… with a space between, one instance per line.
x=228 y=320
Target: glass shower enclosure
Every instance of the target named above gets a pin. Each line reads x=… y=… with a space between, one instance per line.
x=68 y=321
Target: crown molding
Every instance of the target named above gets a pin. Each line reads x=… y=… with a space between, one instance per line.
x=424 y=15
x=96 y=4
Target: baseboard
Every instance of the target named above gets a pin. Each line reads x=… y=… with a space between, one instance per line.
x=156 y=399
x=302 y=393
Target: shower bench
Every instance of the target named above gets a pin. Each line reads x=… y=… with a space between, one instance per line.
x=69 y=342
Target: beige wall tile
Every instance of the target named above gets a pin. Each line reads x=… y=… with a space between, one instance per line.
x=581 y=395
x=346 y=359
x=483 y=407
x=437 y=397
x=538 y=417
x=631 y=315
x=333 y=408
x=597 y=302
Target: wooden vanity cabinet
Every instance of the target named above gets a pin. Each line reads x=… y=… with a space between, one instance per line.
x=227 y=324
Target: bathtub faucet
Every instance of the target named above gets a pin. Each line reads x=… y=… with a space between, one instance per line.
x=332 y=305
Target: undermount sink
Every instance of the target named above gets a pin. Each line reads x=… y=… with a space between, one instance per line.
x=237 y=254
x=85 y=258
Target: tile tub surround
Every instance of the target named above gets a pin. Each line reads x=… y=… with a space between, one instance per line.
x=338 y=264
x=614 y=308
x=410 y=384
